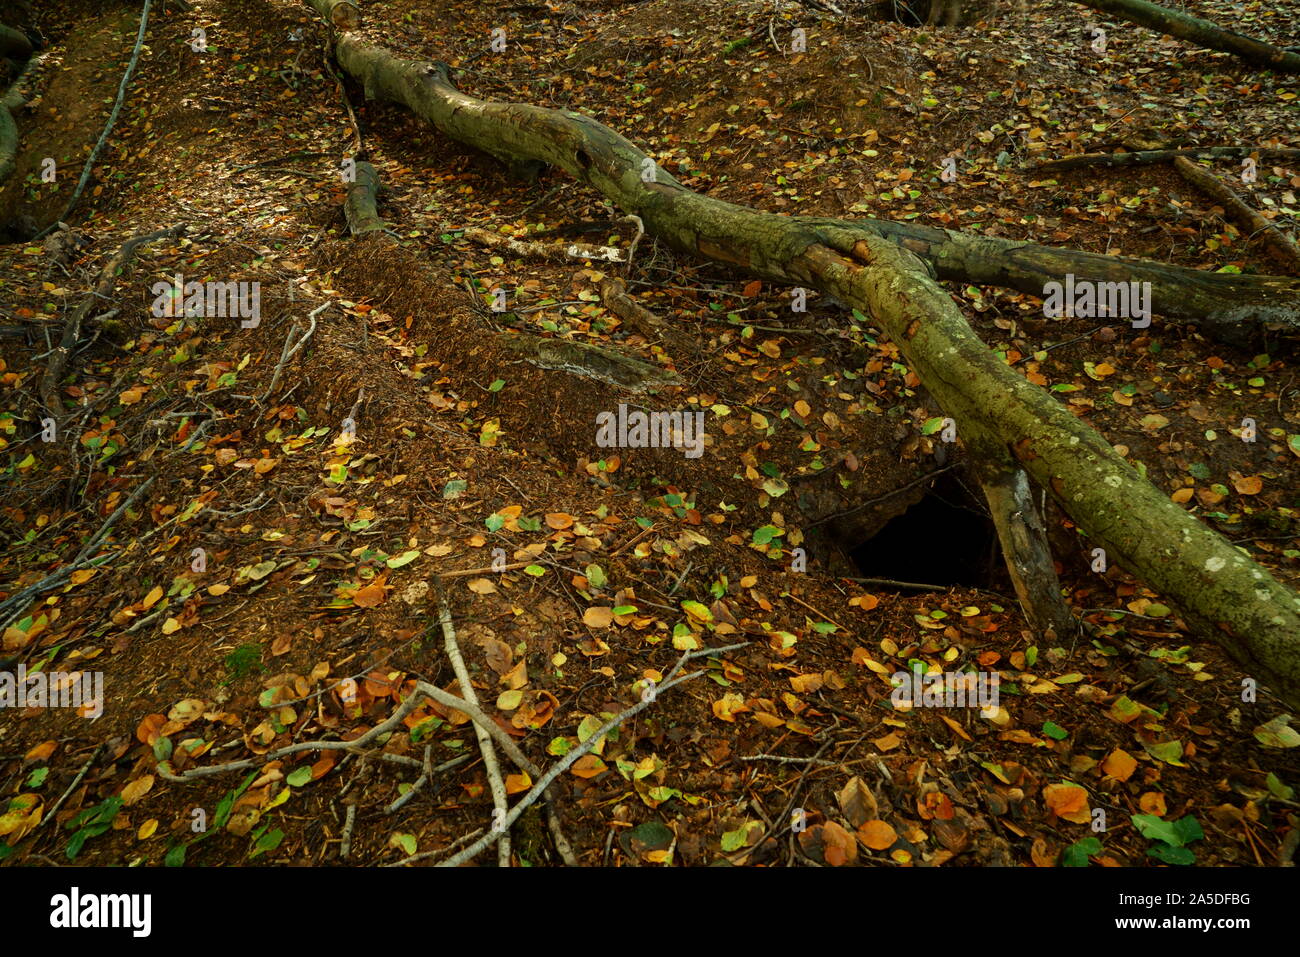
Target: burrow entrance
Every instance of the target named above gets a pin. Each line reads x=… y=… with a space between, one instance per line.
x=935 y=13
x=947 y=538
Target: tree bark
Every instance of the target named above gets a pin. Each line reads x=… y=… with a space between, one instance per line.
x=1221 y=593
x=8 y=143
x=360 y=207
x=343 y=14
x=1202 y=33
x=1023 y=539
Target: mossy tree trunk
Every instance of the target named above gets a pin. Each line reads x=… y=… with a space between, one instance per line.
x=1220 y=592
x=1200 y=32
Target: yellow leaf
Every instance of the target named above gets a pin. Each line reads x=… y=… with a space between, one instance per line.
x=137 y=789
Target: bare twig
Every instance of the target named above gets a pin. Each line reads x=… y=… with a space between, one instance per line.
x=293 y=342
x=497 y=785
x=49 y=815
x=500 y=828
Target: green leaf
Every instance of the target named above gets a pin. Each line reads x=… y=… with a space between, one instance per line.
x=267 y=842
x=735 y=840
x=1156 y=829
x=403 y=559
x=595 y=576
x=494 y=522
x=1170 y=752
x=1277 y=733
x=1055 y=731
x=1172 y=855
x=454 y=488
x=1188 y=829
x=1077 y=854
x=497 y=385
x=299 y=776
x=1278 y=789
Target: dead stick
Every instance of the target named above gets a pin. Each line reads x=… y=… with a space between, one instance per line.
x=71 y=787
x=499 y=829
x=452 y=649
x=1139 y=156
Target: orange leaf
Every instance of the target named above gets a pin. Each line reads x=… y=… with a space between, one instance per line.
x=1153 y=802
x=137 y=789
x=148 y=731
x=838 y=845
x=1068 y=802
x=1119 y=764
x=587 y=766
x=877 y=835
x=322 y=767
x=41 y=751
x=369 y=596
x=1246 y=484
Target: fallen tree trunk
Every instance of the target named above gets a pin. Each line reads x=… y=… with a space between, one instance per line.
x=1154 y=155
x=14 y=45
x=1203 y=33
x=1282 y=244
x=1222 y=595
x=1229 y=306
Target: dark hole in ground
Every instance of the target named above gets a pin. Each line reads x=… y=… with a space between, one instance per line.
x=947 y=538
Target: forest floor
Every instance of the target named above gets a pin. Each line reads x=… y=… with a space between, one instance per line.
x=323 y=550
